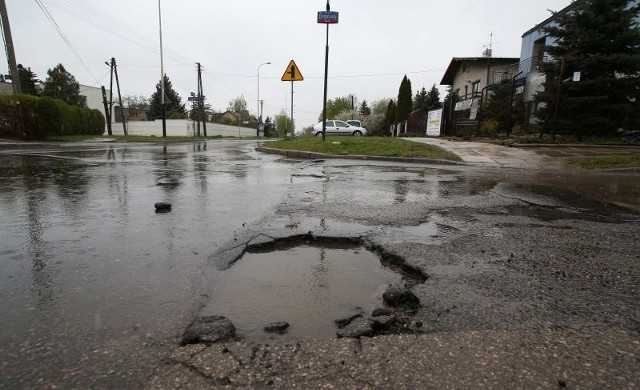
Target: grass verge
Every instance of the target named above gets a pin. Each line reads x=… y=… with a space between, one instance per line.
x=364 y=146
x=630 y=161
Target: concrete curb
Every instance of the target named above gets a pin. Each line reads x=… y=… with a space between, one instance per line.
x=316 y=156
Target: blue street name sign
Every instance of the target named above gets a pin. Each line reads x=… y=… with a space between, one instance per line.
x=327 y=17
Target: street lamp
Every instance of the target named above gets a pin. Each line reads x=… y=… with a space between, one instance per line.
x=164 y=110
x=260 y=113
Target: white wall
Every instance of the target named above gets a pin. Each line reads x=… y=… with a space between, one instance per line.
x=94 y=97
x=180 y=127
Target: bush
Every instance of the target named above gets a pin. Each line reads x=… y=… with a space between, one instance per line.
x=40 y=117
x=517 y=129
x=489 y=127
x=97 y=122
x=49 y=117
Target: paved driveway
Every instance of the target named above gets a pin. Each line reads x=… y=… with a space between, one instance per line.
x=552 y=157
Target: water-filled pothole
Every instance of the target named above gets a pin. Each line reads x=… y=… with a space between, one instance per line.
x=309 y=286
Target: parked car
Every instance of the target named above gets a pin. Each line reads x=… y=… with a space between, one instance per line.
x=335 y=127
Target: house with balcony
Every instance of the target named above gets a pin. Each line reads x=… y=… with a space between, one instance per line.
x=533 y=55
x=471 y=78
x=468 y=76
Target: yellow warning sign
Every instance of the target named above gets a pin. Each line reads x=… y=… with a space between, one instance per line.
x=292 y=73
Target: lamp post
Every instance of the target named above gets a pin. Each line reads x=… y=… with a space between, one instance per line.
x=164 y=110
x=260 y=113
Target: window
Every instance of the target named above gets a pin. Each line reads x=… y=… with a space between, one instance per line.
x=475 y=87
x=538 y=53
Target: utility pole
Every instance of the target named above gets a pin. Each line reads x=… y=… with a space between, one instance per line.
x=106 y=109
x=201 y=102
x=124 y=122
x=557 y=102
x=11 y=55
x=110 y=119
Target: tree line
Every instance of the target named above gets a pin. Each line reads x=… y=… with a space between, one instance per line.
x=378 y=116
x=60 y=84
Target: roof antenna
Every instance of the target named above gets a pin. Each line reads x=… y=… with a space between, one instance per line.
x=489 y=48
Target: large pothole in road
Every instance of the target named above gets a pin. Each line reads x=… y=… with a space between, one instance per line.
x=308 y=285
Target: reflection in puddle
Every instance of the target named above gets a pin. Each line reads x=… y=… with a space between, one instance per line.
x=554 y=214
x=308 y=286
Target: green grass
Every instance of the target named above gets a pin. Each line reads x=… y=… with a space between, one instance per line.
x=630 y=161
x=364 y=146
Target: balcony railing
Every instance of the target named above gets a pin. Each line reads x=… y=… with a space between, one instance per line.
x=499 y=74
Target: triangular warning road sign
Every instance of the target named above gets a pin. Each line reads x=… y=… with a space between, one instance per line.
x=292 y=73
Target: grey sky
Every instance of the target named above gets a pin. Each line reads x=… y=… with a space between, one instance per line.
x=373 y=46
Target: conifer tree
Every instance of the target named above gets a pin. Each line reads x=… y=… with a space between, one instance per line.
x=432 y=100
x=405 y=100
x=389 y=117
x=28 y=80
x=601 y=40
x=364 y=109
x=497 y=107
x=419 y=100
x=172 y=101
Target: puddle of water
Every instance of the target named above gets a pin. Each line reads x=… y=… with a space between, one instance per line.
x=307 y=286
x=555 y=214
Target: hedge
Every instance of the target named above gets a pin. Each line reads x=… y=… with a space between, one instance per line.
x=26 y=116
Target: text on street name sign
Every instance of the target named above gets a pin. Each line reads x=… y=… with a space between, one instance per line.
x=327 y=17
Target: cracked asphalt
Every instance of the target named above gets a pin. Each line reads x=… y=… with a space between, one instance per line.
x=531 y=282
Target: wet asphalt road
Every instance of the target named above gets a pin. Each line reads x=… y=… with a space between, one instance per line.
x=97 y=288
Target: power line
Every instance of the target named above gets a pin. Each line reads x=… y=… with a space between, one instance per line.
x=335 y=77
x=98 y=18
x=64 y=38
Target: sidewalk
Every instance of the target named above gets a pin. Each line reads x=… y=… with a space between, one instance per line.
x=495 y=156
x=525 y=156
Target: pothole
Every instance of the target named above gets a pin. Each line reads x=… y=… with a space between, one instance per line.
x=307 y=284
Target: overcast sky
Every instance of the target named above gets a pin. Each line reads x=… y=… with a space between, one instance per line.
x=374 y=45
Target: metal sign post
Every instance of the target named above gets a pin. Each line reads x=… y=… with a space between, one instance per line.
x=326 y=17
x=292 y=73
